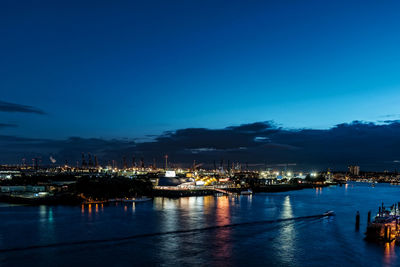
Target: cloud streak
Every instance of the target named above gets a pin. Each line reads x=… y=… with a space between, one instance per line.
x=8 y=125
x=12 y=107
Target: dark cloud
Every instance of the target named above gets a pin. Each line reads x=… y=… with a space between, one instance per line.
x=253 y=127
x=372 y=146
x=12 y=107
x=8 y=125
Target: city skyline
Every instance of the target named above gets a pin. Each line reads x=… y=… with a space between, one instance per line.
x=260 y=144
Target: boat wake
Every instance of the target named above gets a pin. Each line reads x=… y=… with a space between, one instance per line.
x=124 y=238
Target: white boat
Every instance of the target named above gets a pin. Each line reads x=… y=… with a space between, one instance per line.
x=329 y=213
x=247 y=192
x=136 y=199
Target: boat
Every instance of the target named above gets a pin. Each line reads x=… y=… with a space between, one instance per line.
x=329 y=213
x=136 y=199
x=385 y=226
x=115 y=200
x=88 y=202
x=247 y=192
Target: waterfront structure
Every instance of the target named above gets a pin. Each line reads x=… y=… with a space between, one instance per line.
x=354 y=170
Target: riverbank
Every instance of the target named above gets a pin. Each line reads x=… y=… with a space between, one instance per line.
x=286 y=187
x=63 y=199
x=73 y=199
x=176 y=193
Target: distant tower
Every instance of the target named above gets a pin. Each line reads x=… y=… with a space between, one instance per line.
x=133 y=162
x=96 y=162
x=166 y=161
x=124 y=162
x=83 y=164
x=142 y=162
x=35 y=164
x=354 y=170
x=90 y=160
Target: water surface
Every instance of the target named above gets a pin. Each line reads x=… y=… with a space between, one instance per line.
x=329 y=241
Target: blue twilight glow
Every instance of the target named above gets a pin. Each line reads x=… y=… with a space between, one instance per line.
x=128 y=69
x=134 y=69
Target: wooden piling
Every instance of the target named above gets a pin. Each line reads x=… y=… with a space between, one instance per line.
x=357 y=221
x=369 y=218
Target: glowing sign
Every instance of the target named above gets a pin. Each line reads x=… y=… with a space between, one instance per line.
x=170 y=174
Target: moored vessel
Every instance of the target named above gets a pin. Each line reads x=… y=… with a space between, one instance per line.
x=385 y=226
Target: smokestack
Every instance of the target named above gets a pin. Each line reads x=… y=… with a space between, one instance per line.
x=124 y=162
x=35 y=164
x=90 y=160
x=83 y=164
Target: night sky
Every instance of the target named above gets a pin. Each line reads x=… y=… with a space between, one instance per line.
x=315 y=83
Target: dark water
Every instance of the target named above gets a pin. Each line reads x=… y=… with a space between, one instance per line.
x=304 y=242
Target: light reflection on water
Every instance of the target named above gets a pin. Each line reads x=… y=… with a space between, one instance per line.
x=389 y=254
x=223 y=244
x=286 y=239
x=46 y=222
x=318 y=190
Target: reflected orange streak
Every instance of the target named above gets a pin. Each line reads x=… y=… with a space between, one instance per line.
x=389 y=252
x=224 y=248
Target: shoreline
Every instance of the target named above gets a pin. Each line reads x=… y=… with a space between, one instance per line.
x=174 y=193
x=70 y=199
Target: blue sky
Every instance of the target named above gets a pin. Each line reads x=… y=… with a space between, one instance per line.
x=126 y=69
